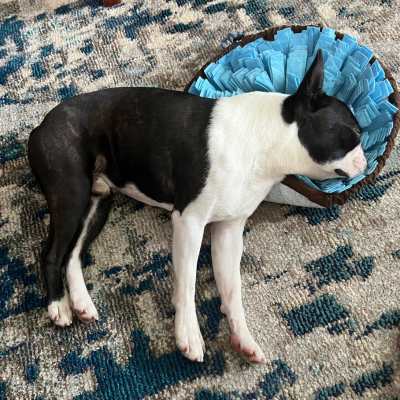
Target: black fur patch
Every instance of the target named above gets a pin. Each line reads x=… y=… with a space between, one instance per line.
x=327 y=127
x=154 y=138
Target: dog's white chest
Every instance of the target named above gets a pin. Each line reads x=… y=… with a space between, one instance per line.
x=240 y=174
x=238 y=197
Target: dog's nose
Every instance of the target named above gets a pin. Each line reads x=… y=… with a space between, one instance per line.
x=360 y=162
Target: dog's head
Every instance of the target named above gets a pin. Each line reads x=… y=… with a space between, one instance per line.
x=326 y=128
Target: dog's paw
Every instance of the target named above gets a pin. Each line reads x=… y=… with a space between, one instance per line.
x=60 y=311
x=188 y=336
x=246 y=346
x=83 y=307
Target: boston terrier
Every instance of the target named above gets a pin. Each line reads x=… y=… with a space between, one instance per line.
x=207 y=161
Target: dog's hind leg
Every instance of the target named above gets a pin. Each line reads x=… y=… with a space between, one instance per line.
x=94 y=221
x=77 y=207
x=67 y=205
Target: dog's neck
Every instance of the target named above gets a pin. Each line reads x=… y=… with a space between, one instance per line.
x=280 y=151
x=286 y=154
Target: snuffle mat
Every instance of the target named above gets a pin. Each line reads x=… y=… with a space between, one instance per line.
x=276 y=61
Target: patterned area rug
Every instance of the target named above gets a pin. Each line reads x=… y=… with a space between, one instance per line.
x=321 y=287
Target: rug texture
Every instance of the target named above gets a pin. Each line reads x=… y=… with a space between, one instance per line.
x=321 y=287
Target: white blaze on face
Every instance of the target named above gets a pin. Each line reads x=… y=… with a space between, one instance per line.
x=353 y=163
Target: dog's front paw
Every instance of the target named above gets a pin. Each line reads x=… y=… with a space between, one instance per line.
x=83 y=306
x=246 y=346
x=188 y=336
x=60 y=311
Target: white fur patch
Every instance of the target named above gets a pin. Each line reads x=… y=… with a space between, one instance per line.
x=251 y=127
x=60 y=311
x=131 y=190
x=187 y=333
x=81 y=302
x=227 y=248
x=187 y=237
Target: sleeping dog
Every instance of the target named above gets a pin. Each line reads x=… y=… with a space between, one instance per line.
x=206 y=161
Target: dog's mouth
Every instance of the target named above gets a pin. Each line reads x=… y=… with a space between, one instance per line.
x=341 y=173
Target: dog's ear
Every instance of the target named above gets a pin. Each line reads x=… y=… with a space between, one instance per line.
x=311 y=85
x=308 y=97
